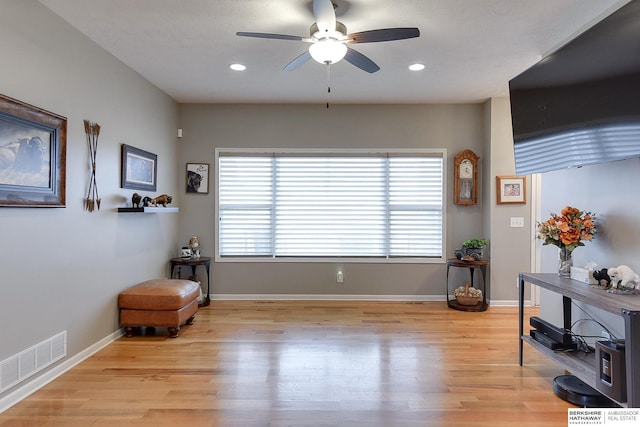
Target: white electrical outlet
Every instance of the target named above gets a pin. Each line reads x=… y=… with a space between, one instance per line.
x=517 y=222
x=339 y=276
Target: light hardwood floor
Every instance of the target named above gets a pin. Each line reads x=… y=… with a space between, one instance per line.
x=310 y=363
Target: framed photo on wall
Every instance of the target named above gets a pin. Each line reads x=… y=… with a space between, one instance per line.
x=511 y=189
x=139 y=169
x=32 y=155
x=197 y=178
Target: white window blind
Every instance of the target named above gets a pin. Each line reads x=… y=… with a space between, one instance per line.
x=245 y=197
x=330 y=205
x=415 y=206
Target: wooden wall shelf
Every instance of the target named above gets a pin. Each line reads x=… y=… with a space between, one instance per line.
x=148 y=209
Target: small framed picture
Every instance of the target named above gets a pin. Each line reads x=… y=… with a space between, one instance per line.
x=139 y=169
x=511 y=189
x=197 y=178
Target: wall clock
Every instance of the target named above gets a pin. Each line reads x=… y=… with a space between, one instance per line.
x=465 y=180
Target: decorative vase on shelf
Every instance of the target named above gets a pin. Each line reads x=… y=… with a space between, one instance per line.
x=565 y=262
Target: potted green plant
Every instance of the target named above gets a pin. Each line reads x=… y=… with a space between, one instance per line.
x=472 y=248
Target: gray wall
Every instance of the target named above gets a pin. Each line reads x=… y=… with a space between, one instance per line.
x=62 y=268
x=510 y=248
x=454 y=127
x=608 y=190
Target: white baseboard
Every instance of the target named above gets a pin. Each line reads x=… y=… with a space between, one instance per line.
x=29 y=387
x=340 y=297
x=509 y=303
x=324 y=297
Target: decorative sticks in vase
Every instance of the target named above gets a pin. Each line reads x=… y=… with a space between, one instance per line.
x=93 y=131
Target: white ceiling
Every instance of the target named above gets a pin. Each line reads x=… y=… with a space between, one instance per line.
x=471 y=48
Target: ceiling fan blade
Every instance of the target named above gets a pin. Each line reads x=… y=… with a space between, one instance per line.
x=298 y=61
x=382 y=35
x=359 y=60
x=325 y=15
x=270 y=36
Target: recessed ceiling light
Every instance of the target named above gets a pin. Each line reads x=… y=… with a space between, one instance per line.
x=237 y=67
x=416 y=67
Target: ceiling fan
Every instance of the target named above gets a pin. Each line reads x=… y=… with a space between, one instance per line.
x=329 y=39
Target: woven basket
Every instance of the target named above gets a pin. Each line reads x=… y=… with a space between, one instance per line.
x=467 y=299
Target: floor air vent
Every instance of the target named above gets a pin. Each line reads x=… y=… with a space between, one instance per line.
x=34 y=359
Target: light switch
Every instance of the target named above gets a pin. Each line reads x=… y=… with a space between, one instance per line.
x=517 y=222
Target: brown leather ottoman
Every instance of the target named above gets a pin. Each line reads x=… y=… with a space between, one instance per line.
x=159 y=302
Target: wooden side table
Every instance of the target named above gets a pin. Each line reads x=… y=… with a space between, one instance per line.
x=471 y=265
x=194 y=263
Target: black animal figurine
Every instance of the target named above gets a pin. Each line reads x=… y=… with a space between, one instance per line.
x=135 y=200
x=602 y=277
x=146 y=201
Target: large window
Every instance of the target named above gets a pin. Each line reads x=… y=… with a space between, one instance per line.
x=319 y=205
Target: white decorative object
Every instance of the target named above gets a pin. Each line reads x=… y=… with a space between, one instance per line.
x=624 y=275
x=583 y=275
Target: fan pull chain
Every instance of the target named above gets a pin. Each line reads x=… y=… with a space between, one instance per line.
x=328 y=79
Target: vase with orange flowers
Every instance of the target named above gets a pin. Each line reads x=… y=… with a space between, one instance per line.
x=567 y=231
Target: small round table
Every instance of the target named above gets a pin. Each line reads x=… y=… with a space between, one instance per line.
x=194 y=263
x=471 y=265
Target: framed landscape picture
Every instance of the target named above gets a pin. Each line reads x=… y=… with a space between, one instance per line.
x=139 y=169
x=32 y=155
x=197 y=178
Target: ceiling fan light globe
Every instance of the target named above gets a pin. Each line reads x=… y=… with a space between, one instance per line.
x=328 y=51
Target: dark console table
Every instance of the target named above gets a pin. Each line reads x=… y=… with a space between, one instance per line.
x=194 y=263
x=471 y=265
x=583 y=365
